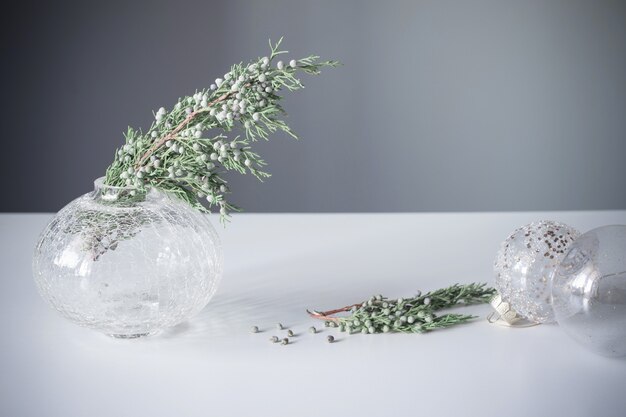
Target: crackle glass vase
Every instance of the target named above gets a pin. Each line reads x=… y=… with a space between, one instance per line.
x=128 y=262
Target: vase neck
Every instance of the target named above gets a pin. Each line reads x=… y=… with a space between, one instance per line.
x=108 y=193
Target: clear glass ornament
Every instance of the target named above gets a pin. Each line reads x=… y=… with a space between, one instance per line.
x=589 y=291
x=128 y=262
x=525 y=265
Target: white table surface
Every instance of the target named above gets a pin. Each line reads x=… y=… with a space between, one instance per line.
x=276 y=266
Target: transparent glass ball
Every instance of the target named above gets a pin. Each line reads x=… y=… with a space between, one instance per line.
x=589 y=291
x=128 y=262
x=525 y=265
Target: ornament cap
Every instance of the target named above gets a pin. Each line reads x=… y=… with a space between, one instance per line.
x=504 y=310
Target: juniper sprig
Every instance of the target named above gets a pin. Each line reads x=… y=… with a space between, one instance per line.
x=416 y=314
x=188 y=148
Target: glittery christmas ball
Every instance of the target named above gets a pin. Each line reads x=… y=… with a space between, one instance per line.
x=589 y=291
x=526 y=263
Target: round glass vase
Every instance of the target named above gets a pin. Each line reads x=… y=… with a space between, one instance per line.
x=128 y=262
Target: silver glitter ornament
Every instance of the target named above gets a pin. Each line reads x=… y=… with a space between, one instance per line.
x=589 y=291
x=525 y=265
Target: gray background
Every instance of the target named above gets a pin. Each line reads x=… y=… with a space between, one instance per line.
x=440 y=105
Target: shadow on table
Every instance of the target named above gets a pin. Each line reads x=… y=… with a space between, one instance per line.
x=280 y=290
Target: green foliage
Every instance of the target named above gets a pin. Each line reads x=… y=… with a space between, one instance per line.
x=187 y=150
x=409 y=315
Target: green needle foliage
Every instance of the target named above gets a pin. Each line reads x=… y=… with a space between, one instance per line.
x=187 y=149
x=409 y=315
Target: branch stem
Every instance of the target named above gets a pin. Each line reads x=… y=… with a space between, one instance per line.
x=181 y=126
x=327 y=315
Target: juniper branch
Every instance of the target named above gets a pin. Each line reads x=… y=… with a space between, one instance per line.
x=407 y=315
x=188 y=149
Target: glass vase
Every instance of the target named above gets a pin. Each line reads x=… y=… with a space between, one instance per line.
x=128 y=262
